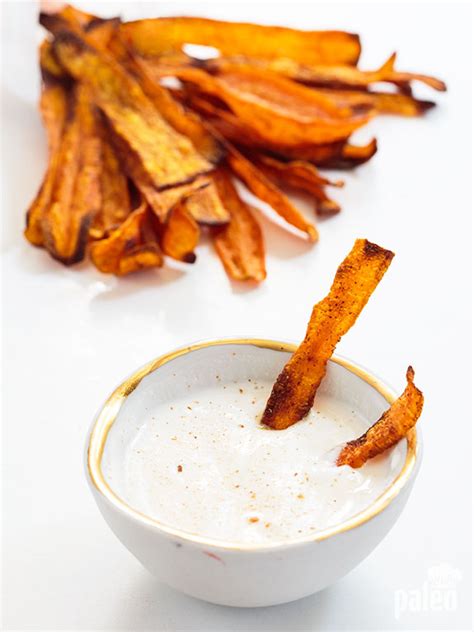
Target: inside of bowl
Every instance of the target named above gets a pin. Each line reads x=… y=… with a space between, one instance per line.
x=156 y=483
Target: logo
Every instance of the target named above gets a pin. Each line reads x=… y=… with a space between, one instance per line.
x=438 y=593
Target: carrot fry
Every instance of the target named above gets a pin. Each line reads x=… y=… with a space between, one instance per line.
x=300 y=175
x=239 y=244
x=340 y=155
x=207 y=207
x=180 y=234
x=382 y=102
x=298 y=170
x=392 y=426
x=161 y=202
x=76 y=195
x=262 y=188
x=116 y=203
x=130 y=247
x=53 y=107
x=330 y=76
x=161 y=35
x=184 y=121
x=168 y=157
x=295 y=388
x=171 y=197
x=278 y=109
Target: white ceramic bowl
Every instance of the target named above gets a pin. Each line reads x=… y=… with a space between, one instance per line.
x=230 y=573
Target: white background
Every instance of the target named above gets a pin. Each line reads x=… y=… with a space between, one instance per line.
x=70 y=335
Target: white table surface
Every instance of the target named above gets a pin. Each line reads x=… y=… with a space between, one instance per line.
x=70 y=335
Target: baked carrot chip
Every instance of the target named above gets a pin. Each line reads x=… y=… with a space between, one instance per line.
x=130 y=247
x=183 y=120
x=161 y=35
x=76 y=193
x=160 y=201
x=344 y=156
x=116 y=203
x=168 y=157
x=239 y=244
x=340 y=155
x=263 y=188
x=53 y=107
x=392 y=426
x=300 y=175
x=400 y=104
x=207 y=207
x=170 y=197
x=180 y=234
x=357 y=277
x=331 y=76
x=382 y=102
x=133 y=168
x=278 y=109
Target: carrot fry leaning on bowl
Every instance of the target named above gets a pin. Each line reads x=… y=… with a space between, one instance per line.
x=392 y=426
x=295 y=388
x=356 y=278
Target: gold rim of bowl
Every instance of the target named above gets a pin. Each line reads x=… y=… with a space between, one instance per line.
x=111 y=408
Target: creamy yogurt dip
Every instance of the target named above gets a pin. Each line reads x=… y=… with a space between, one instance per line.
x=202 y=463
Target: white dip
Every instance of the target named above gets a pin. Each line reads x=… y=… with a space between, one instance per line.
x=202 y=463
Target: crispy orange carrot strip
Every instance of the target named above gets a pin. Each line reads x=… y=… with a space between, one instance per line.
x=76 y=194
x=340 y=155
x=116 y=203
x=168 y=157
x=298 y=170
x=184 y=121
x=132 y=166
x=382 y=102
x=279 y=109
x=180 y=234
x=333 y=156
x=130 y=247
x=141 y=257
x=239 y=244
x=161 y=202
x=53 y=107
x=332 y=76
x=356 y=278
x=262 y=188
x=161 y=35
x=99 y=32
x=392 y=426
x=300 y=175
x=171 y=197
x=207 y=206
